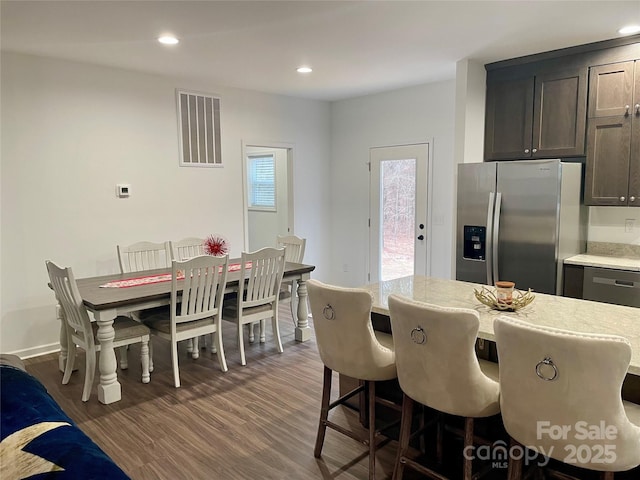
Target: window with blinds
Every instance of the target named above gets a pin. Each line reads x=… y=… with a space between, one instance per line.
x=199 y=124
x=262 y=182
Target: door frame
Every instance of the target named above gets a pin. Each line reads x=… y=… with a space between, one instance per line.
x=429 y=194
x=290 y=148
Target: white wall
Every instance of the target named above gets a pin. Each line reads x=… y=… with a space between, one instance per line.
x=72 y=131
x=412 y=115
x=607 y=224
x=471 y=79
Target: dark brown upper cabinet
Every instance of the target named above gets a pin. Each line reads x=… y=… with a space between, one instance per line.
x=536 y=114
x=613 y=135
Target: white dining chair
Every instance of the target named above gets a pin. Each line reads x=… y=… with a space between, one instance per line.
x=144 y=256
x=294 y=252
x=186 y=248
x=258 y=295
x=82 y=332
x=196 y=305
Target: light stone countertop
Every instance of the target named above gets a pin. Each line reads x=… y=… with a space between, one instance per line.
x=547 y=310
x=605 y=261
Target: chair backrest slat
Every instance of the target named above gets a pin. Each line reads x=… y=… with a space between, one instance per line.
x=294 y=247
x=144 y=256
x=263 y=276
x=187 y=248
x=68 y=296
x=201 y=292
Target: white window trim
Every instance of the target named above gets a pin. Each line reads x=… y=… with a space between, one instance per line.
x=256 y=208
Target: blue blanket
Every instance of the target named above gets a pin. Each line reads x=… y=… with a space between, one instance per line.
x=39 y=441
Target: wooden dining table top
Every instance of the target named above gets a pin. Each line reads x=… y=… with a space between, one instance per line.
x=96 y=297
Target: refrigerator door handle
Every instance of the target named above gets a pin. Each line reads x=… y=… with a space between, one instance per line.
x=496 y=235
x=489 y=239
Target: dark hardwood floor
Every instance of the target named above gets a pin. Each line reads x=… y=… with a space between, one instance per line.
x=253 y=422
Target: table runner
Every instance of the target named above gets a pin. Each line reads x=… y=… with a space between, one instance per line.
x=163 y=277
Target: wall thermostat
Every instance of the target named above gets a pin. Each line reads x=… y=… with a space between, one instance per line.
x=123 y=190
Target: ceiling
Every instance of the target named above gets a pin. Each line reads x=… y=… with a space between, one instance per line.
x=355 y=48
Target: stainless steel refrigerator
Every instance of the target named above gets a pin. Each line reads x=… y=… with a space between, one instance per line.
x=518 y=221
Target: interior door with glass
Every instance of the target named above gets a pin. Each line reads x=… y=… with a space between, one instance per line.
x=398 y=211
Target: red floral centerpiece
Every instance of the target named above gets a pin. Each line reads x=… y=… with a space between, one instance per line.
x=216 y=245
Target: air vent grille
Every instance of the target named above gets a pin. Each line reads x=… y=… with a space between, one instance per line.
x=199 y=124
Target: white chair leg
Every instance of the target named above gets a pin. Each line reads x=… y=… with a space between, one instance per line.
x=252 y=337
x=263 y=337
x=88 y=375
x=195 y=353
x=144 y=359
x=190 y=345
x=150 y=355
x=243 y=361
x=293 y=300
x=71 y=360
x=124 y=360
x=217 y=337
x=174 y=361
x=212 y=343
x=276 y=333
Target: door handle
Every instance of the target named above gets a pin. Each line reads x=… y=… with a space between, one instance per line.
x=496 y=236
x=489 y=239
x=420 y=237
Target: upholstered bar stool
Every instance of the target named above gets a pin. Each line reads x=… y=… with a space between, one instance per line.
x=348 y=345
x=438 y=367
x=561 y=397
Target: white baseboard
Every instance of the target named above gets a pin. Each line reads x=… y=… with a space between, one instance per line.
x=37 y=351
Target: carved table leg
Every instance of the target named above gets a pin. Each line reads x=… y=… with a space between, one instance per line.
x=109 y=390
x=144 y=360
x=303 y=331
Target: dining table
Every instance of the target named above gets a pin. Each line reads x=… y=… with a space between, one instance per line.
x=133 y=293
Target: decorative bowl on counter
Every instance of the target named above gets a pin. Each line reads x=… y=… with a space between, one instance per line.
x=519 y=299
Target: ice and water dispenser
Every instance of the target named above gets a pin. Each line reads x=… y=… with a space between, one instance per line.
x=474 y=242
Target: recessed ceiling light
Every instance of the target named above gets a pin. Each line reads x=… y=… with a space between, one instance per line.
x=629 y=30
x=168 y=40
x=304 y=70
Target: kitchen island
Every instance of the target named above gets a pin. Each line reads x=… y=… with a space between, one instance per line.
x=546 y=310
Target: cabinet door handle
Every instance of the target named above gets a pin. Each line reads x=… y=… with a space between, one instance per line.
x=626 y=107
x=632 y=199
x=534 y=150
x=637 y=108
x=622 y=199
x=526 y=150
